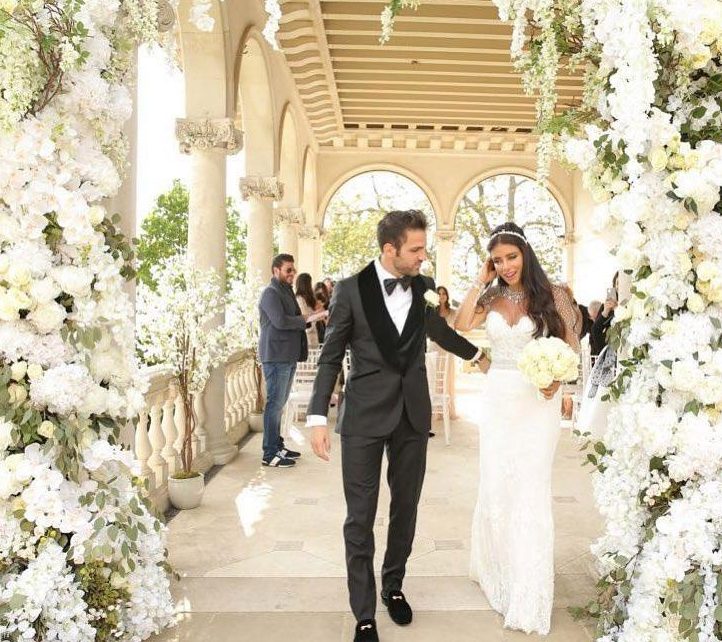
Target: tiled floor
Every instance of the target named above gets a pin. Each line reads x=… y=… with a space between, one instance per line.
x=262 y=559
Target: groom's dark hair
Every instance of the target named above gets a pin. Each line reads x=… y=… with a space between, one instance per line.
x=392 y=228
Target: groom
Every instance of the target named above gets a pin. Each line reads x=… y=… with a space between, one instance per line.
x=380 y=313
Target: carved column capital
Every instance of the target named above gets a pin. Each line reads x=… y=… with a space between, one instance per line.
x=310 y=232
x=261 y=187
x=289 y=215
x=216 y=133
x=166 y=16
x=445 y=235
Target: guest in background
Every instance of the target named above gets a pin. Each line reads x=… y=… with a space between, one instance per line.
x=589 y=313
x=323 y=299
x=329 y=283
x=281 y=345
x=447 y=313
x=598 y=336
x=308 y=303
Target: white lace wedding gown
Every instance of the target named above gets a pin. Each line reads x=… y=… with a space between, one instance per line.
x=512 y=538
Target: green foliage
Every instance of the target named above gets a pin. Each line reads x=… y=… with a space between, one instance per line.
x=351 y=218
x=502 y=198
x=164 y=233
x=100 y=594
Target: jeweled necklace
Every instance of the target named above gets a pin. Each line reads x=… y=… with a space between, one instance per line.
x=515 y=296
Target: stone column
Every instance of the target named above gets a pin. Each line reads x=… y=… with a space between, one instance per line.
x=208 y=142
x=444 y=248
x=260 y=192
x=591 y=265
x=310 y=251
x=289 y=220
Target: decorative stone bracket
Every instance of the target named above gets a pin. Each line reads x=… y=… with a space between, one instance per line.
x=204 y=134
x=310 y=232
x=445 y=235
x=288 y=215
x=261 y=187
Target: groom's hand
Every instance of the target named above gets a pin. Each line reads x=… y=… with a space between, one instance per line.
x=321 y=442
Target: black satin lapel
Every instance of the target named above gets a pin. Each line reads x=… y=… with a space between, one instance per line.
x=415 y=320
x=382 y=327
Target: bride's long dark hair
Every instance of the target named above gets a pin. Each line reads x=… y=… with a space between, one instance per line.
x=540 y=297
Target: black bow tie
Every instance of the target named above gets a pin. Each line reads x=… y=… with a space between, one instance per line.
x=390 y=284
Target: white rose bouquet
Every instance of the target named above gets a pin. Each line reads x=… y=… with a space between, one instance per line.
x=548 y=359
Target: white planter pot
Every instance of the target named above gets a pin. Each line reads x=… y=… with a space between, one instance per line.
x=255 y=421
x=186 y=493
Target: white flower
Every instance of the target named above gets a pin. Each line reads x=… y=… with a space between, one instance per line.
x=6 y=440
x=695 y=303
x=48 y=317
x=432 y=298
x=73 y=280
x=46 y=429
x=18 y=370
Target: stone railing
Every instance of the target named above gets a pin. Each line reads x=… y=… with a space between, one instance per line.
x=157 y=438
x=240 y=393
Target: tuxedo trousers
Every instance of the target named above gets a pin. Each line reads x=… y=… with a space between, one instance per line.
x=361 y=459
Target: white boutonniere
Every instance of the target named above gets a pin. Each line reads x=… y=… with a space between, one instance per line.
x=432 y=298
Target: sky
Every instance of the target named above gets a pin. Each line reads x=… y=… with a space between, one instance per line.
x=160 y=101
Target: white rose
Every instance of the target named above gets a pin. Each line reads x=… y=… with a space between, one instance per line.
x=622 y=313
x=46 y=429
x=18 y=370
x=706 y=271
x=18 y=394
x=48 y=317
x=44 y=290
x=658 y=159
x=432 y=298
x=74 y=280
x=4 y=264
x=18 y=275
x=695 y=303
x=6 y=438
x=35 y=371
x=96 y=214
x=9 y=310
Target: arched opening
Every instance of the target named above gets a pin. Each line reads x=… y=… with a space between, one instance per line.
x=353 y=211
x=500 y=198
x=255 y=108
x=289 y=164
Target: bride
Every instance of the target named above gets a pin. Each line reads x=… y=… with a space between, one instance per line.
x=512 y=539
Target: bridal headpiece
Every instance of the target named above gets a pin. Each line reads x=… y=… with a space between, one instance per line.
x=510 y=233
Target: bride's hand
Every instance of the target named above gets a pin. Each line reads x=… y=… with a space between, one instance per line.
x=487 y=273
x=550 y=391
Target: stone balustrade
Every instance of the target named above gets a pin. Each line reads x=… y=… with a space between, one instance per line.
x=158 y=435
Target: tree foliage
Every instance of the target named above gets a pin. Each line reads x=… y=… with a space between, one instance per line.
x=352 y=215
x=164 y=233
x=507 y=197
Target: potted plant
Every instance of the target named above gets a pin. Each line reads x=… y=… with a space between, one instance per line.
x=177 y=327
x=243 y=318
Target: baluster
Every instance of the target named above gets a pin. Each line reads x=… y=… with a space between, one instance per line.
x=169 y=453
x=156 y=461
x=200 y=436
x=143 y=449
x=180 y=422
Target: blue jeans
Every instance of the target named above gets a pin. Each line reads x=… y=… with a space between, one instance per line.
x=279 y=377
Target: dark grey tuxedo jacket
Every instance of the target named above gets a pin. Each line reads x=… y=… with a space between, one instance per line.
x=388 y=371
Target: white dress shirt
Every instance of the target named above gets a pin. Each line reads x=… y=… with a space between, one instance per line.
x=398 y=303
